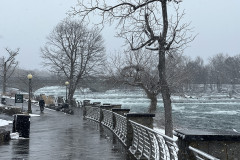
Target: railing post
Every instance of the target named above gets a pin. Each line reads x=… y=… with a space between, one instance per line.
x=184 y=153
x=96 y=104
x=106 y=106
x=84 y=111
x=217 y=143
x=120 y=111
x=85 y=103
x=129 y=136
x=145 y=119
x=116 y=106
x=100 y=114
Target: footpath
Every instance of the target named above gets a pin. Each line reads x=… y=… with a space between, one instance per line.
x=56 y=135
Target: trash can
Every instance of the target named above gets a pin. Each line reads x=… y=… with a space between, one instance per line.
x=21 y=124
x=65 y=105
x=3 y=100
x=86 y=102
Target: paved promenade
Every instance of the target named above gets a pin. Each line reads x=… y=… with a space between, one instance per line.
x=55 y=135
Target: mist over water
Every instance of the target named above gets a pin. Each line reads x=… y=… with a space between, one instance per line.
x=194 y=115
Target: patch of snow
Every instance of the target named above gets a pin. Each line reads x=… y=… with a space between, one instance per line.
x=34 y=115
x=50 y=109
x=4 y=122
x=163 y=132
x=34 y=101
x=14 y=135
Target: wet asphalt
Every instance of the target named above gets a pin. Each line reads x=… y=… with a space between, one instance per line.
x=59 y=136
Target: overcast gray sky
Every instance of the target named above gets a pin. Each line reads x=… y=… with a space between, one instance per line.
x=25 y=24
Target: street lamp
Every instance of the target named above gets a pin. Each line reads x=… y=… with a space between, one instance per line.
x=66 y=83
x=29 y=76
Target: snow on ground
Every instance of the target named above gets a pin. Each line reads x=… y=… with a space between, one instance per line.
x=4 y=122
x=34 y=115
x=15 y=135
x=162 y=131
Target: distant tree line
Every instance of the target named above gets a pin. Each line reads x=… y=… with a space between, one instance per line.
x=221 y=69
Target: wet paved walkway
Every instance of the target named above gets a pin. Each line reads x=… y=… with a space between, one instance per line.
x=58 y=136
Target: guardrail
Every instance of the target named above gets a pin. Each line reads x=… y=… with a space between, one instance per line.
x=142 y=142
x=145 y=142
x=120 y=127
x=201 y=155
x=92 y=113
x=151 y=144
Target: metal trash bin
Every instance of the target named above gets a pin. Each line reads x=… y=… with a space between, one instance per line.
x=21 y=124
x=3 y=100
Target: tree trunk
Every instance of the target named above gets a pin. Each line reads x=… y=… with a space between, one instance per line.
x=165 y=94
x=71 y=92
x=70 y=96
x=162 y=73
x=4 y=78
x=153 y=106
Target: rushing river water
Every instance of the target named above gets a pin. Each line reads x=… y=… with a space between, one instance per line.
x=214 y=115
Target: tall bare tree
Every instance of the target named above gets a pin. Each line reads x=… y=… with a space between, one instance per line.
x=145 y=23
x=8 y=66
x=74 y=51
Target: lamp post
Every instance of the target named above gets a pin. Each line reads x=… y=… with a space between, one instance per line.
x=66 y=83
x=29 y=76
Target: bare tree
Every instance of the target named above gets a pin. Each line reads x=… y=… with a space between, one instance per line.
x=145 y=23
x=176 y=72
x=232 y=70
x=197 y=73
x=8 y=66
x=218 y=74
x=74 y=52
x=138 y=69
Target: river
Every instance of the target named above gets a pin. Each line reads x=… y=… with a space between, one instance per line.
x=217 y=114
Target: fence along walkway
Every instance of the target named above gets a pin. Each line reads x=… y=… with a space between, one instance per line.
x=143 y=142
x=201 y=155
